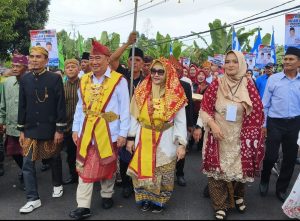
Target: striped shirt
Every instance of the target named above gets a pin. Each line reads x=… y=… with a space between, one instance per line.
x=71 y=101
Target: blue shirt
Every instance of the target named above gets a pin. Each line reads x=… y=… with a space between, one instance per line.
x=118 y=103
x=282 y=96
x=261 y=82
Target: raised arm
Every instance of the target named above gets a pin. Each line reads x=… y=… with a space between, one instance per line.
x=115 y=57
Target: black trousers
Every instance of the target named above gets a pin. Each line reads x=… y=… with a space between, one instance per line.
x=29 y=174
x=71 y=149
x=2 y=152
x=126 y=180
x=199 y=144
x=282 y=132
x=180 y=167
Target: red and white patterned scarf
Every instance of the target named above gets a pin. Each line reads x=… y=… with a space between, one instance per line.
x=252 y=140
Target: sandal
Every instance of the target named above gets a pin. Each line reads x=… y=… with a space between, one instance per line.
x=220 y=214
x=240 y=204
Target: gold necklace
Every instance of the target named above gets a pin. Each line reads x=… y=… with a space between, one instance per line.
x=45 y=96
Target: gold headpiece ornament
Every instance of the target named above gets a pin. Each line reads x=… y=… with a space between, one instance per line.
x=39 y=49
x=71 y=61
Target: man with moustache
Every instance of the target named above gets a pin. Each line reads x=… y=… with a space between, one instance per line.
x=282 y=124
x=41 y=121
x=84 y=64
x=9 y=110
x=100 y=127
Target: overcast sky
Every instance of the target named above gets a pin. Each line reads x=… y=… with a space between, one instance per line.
x=167 y=17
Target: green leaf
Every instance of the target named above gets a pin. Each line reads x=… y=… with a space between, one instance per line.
x=104 y=38
x=266 y=39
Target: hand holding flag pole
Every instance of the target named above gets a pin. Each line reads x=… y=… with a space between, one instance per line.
x=133 y=46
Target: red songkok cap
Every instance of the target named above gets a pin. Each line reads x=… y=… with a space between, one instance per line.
x=20 y=59
x=98 y=48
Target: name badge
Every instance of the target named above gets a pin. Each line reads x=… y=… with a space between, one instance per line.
x=231 y=112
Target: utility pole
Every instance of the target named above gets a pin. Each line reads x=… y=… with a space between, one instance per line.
x=73 y=27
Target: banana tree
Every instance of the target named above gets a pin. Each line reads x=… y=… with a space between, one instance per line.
x=195 y=53
x=112 y=41
x=221 y=38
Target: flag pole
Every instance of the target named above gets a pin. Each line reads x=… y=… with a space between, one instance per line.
x=133 y=46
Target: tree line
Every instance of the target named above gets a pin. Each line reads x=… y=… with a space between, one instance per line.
x=17 y=17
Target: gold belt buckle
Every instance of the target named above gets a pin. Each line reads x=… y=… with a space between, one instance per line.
x=160 y=128
x=109 y=116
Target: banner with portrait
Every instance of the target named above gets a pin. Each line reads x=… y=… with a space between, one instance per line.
x=264 y=56
x=250 y=59
x=48 y=40
x=217 y=59
x=292 y=30
x=185 y=61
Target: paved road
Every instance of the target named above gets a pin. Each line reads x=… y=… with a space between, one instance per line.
x=186 y=203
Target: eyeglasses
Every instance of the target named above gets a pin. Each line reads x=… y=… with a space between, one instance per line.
x=160 y=72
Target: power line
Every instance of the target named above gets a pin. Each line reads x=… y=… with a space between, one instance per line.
x=80 y=23
x=239 y=22
x=245 y=25
x=226 y=26
x=161 y=2
x=121 y=15
x=277 y=6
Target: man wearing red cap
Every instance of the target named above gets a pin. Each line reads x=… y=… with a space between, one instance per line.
x=100 y=126
x=9 y=110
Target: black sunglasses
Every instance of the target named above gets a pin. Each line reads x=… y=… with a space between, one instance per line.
x=160 y=72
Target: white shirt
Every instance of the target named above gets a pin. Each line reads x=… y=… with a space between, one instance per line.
x=81 y=73
x=209 y=79
x=291 y=40
x=118 y=103
x=269 y=60
x=170 y=138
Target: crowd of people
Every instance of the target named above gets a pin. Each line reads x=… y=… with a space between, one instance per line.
x=237 y=117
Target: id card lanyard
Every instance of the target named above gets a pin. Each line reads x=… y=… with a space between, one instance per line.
x=231 y=109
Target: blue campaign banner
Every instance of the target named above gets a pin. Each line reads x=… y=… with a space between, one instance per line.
x=218 y=59
x=264 y=56
x=250 y=59
x=48 y=40
x=292 y=30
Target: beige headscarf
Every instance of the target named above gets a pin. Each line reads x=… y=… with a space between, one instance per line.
x=237 y=82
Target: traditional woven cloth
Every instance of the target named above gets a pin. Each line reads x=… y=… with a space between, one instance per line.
x=153 y=111
x=222 y=193
x=96 y=169
x=41 y=149
x=160 y=192
x=95 y=98
x=12 y=146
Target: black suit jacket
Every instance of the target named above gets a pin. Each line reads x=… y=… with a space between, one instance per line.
x=42 y=107
x=189 y=108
